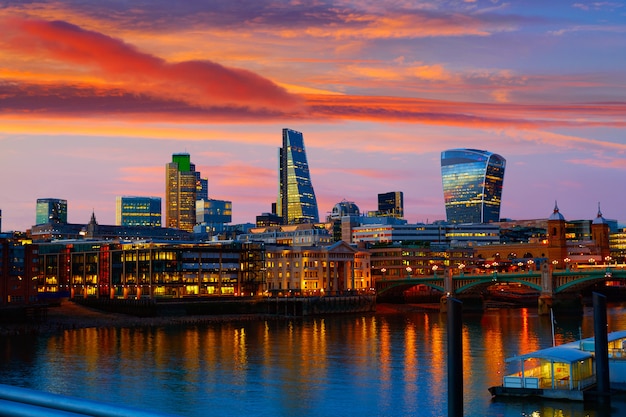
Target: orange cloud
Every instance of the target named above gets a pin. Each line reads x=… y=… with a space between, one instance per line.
x=200 y=83
x=467 y=114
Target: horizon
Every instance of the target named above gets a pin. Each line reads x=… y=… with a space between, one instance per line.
x=95 y=98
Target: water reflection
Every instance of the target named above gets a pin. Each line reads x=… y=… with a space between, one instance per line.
x=386 y=364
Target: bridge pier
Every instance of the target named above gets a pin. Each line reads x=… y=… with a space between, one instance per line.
x=546 y=299
x=443 y=304
x=545 y=304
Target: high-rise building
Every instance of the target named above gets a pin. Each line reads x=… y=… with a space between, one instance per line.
x=212 y=215
x=202 y=186
x=51 y=210
x=472 y=185
x=391 y=204
x=296 y=199
x=212 y=211
x=138 y=211
x=180 y=193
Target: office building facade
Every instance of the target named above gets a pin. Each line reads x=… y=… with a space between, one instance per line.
x=472 y=185
x=391 y=204
x=51 y=210
x=181 y=184
x=148 y=269
x=138 y=211
x=296 y=199
x=212 y=215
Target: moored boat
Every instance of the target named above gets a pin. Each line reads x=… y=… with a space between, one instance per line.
x=561 y=372
x=564 y=372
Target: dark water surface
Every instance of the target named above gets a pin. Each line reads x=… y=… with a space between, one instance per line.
x=354 y=365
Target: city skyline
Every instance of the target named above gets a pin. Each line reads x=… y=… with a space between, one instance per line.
x=95 y=97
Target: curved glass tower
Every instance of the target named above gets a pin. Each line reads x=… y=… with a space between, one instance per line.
x=472 y=185
x=296 y=198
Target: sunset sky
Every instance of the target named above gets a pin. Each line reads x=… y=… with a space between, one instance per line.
x=96 y=96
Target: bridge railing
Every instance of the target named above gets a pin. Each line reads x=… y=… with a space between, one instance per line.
x=24 y=402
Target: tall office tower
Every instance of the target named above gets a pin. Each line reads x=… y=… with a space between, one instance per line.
x=391 y=204
x=180 y=193
x=296 y=199
x=202 y=186
x=472 y=185
x=138 y=211
x=51 y=210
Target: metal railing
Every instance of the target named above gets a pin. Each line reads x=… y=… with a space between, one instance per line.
x=24 y=402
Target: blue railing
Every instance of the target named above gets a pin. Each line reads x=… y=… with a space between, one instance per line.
x=23 y=402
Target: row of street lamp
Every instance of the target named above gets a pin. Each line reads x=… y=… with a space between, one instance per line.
x=530 y=263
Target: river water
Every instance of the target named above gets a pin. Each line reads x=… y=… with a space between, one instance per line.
x=383 y=364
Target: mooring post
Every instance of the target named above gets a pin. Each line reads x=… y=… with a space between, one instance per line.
x=455 y=358
x=601 y=347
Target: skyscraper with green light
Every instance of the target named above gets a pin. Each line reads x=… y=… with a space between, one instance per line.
x=180 y=193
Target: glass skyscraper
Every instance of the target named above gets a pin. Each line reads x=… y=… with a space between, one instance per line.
x=51 y=210
x=391 y=204
x=472 y=185
x=296 y=199
x=181 y=185
x=138 y=211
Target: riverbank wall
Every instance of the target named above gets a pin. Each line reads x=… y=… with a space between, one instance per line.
x=289 y=306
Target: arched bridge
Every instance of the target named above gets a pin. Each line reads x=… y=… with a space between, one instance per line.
x=546 y=281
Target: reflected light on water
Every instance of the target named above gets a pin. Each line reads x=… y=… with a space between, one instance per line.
x=352 y=365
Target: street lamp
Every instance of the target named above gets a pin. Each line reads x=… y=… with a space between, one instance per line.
x=435 y=268
x=461 y=267
x=520 y=264
x=607 y=259
x=409 y=270
x=531 y=264
x=567 y=261
x=555 y=263
x=383 y=270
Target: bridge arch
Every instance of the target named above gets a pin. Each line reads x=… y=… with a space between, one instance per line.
x=534 y=284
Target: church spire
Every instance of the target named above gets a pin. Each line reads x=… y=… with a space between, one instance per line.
x=599 y=218
x=556 y=215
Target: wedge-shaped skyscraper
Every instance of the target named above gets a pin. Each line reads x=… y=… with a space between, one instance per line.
x=296 y=198
x=472 y=185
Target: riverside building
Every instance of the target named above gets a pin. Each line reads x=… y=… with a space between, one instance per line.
x=317 y=270
x=148 y=269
